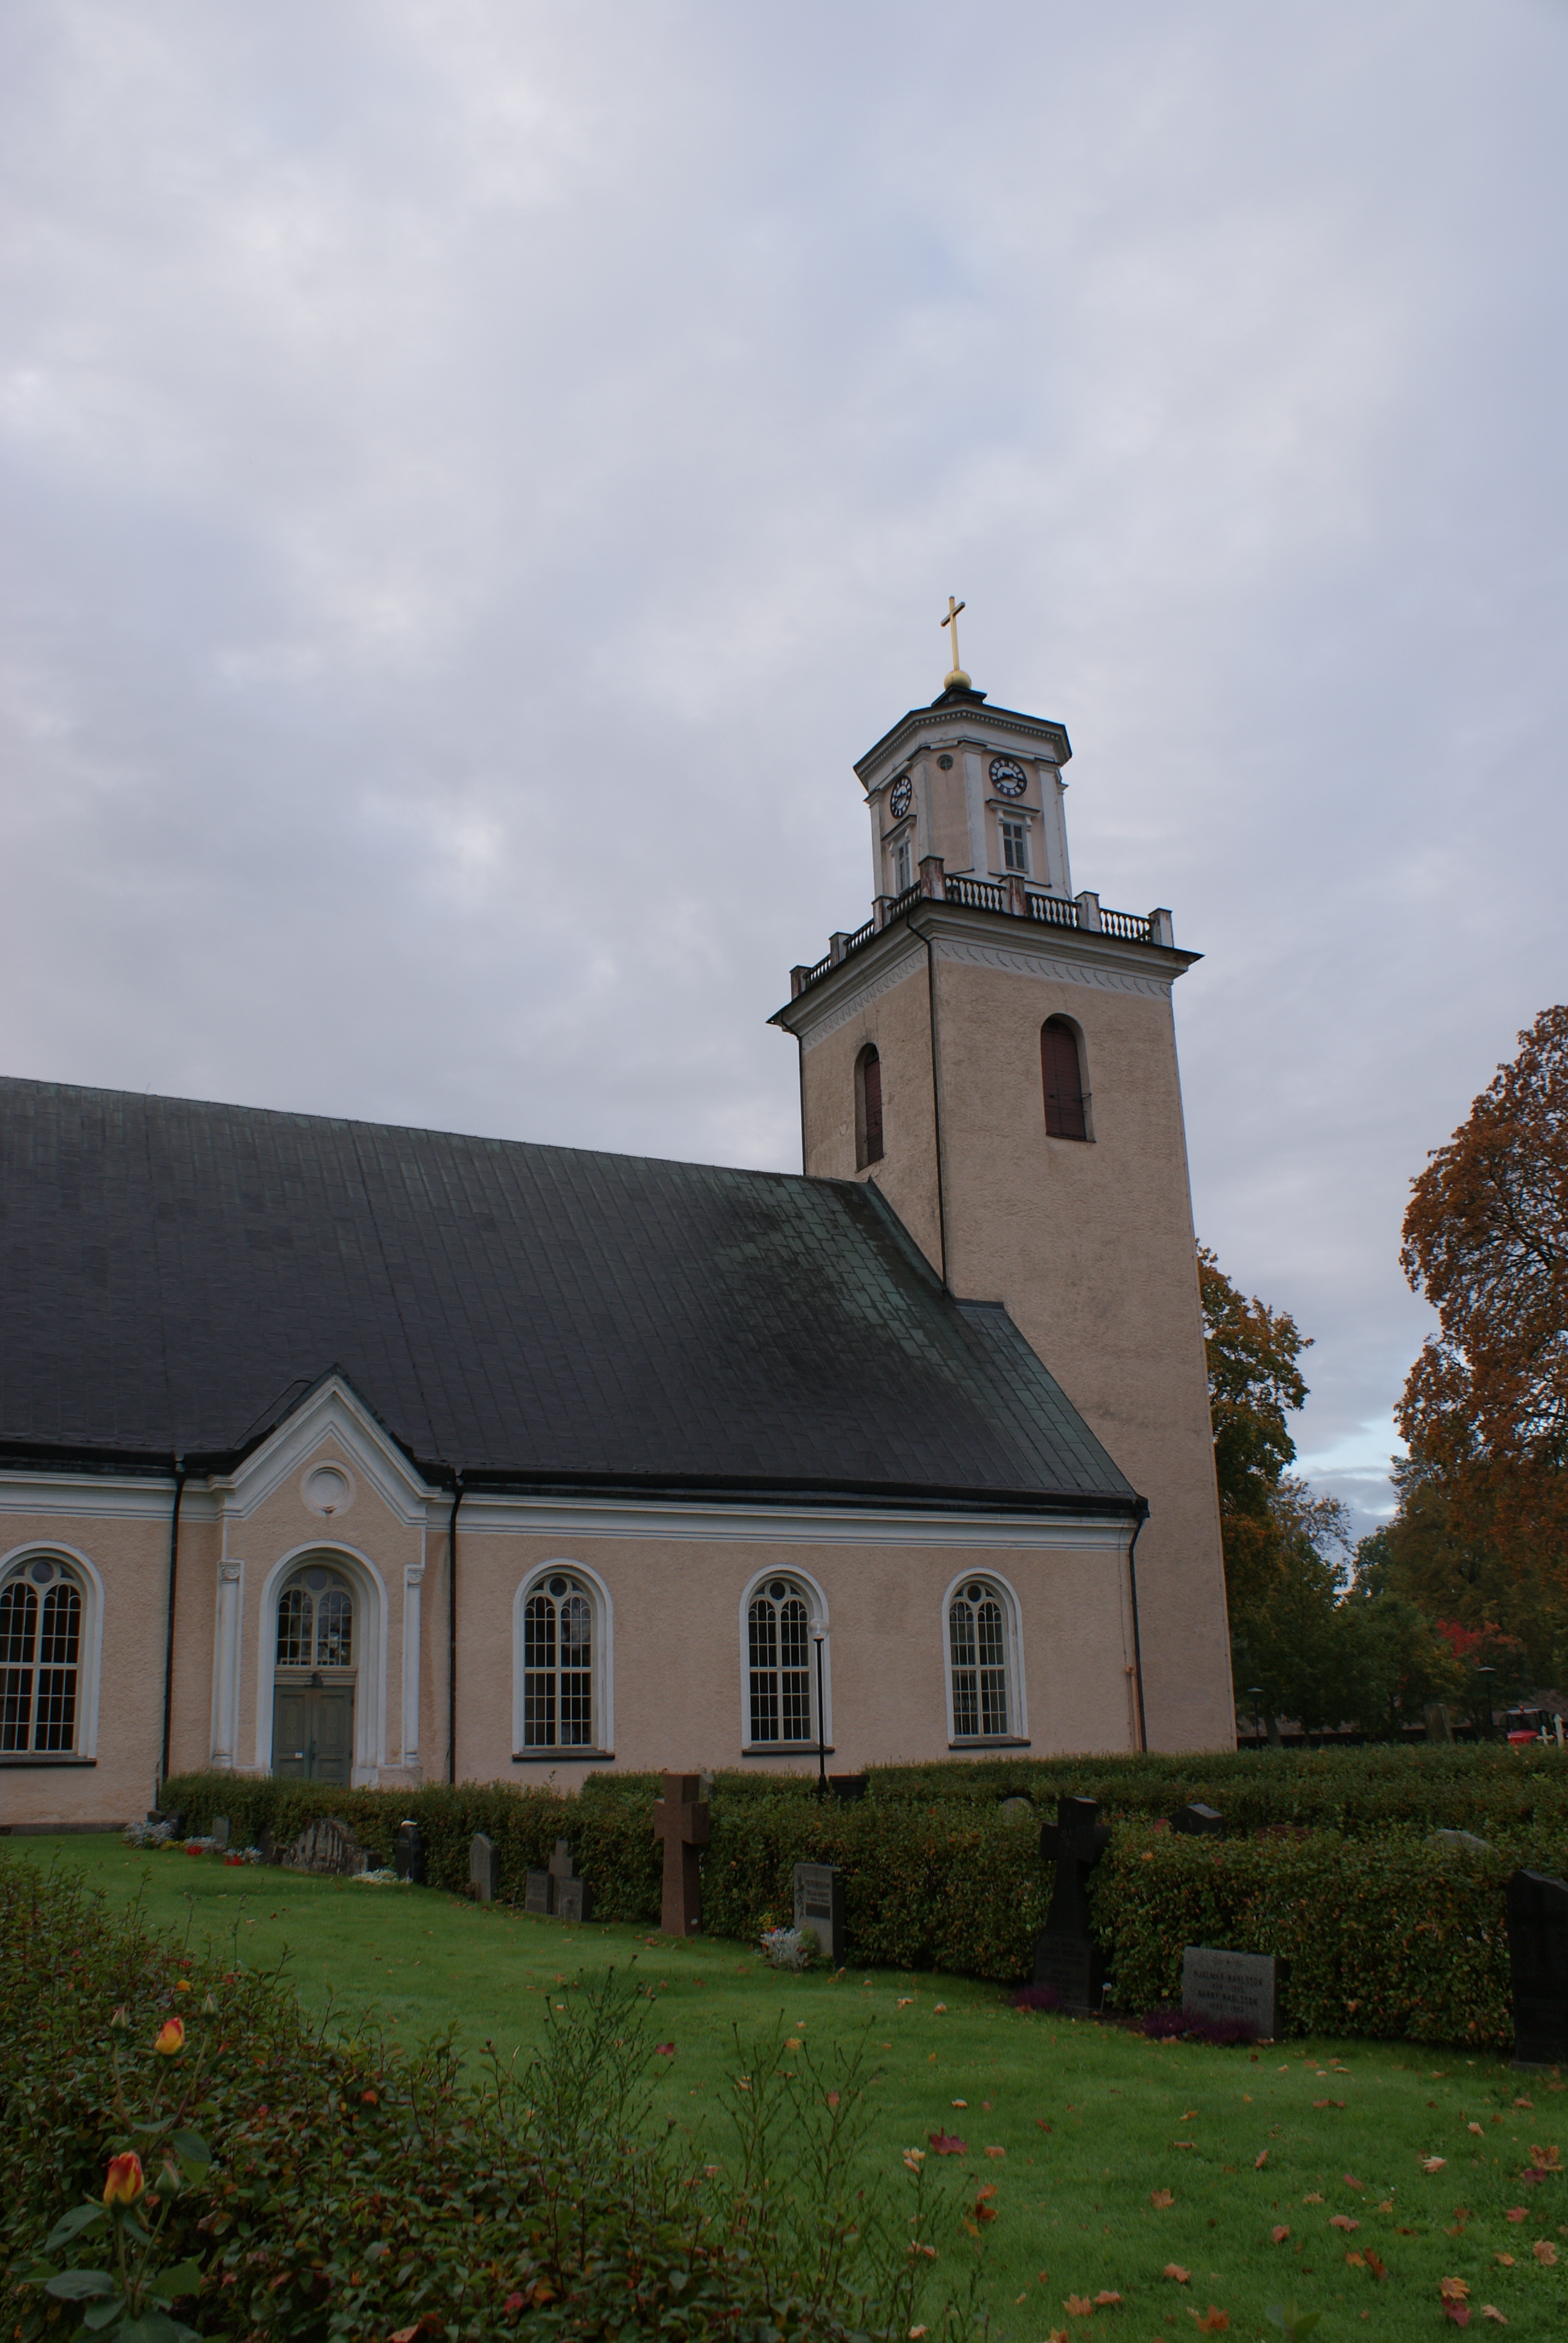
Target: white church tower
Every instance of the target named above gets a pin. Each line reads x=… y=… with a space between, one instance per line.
x=997 y=1052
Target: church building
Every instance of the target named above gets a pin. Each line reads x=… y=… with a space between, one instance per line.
x=356 y=1453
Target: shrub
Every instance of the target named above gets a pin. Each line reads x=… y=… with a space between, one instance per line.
x=353 y=2192
x=1391 y=1938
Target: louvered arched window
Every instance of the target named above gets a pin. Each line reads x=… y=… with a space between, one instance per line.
x=867 y=1108
x=1061 y=1070
x=40 y=1657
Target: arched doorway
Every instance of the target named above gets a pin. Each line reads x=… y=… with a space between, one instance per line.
x=314 y=1676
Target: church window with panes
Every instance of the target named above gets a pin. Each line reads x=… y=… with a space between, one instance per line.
x=1015 y=847
x=316 y=1622
x=40 y=1658
x=778 y=1635
x=977 y=1652
x=557 y=1665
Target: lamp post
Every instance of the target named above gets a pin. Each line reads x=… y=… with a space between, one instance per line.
x=818 y=1639
x=1488 y=1674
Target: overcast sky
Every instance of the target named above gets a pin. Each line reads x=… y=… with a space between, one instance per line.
x=479 y=472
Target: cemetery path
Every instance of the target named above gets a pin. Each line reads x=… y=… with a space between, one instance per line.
x=1352 y=2177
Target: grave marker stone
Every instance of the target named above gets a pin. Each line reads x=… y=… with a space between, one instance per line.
x=1197 y=1821
x=327 y=1845
x=219 y=1833
x=681 y=1819
x=1239 y=1986
x=266 y=1845
x=484 y=1867
x=1066 y=1955
x=819 y=1907
x=571 y=1898
x=408 y=1857
x=849 y=1785
x=536 y=1894
x=1538 y=1965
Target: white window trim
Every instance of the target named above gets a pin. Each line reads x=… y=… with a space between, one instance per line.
x=89 y=1665
x=1016 y=1700
x=370 y=1645
x=817 y=1624
x=603 y=1742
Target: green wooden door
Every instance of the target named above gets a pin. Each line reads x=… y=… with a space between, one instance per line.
x=313 y=1732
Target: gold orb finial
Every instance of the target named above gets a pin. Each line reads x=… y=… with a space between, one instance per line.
x=955 y=679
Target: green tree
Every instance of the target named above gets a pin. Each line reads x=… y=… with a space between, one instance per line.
x=1254 y=1382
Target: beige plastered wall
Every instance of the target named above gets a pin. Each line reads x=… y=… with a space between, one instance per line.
x=1090 y=1245
x=676 y=1613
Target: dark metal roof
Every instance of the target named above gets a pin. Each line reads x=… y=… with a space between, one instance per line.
x=169 y=1269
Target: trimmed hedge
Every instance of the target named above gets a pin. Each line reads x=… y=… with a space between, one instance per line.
x=354 y=2191
x=1388 y=1935
x=1391 y=1937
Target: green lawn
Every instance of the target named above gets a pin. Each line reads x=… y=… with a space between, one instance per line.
x=1091 y=2124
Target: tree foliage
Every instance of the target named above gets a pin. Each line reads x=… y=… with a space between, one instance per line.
x=1485 y=1407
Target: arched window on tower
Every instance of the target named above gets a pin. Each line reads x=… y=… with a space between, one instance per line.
x=40 y=1656
x=867 y=1108
x=1061 y=1068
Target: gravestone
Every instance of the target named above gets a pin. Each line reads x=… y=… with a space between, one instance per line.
x=484 y=1867
x=1197 y=1821
x=408 y=1855
x=1458 y=1842
x=175 y=1821
x=219 y=1833
x=1066 y=1955
x=681 y=1819
x=537 y=1894
x=1243 y=1987
x=849 y=1785
x=1017 y=1809
x=1538 y=1966
x=571 y=1898
x=819 y=1907
x=1438 y=1721
x=327 y=1845
x=266 y=1845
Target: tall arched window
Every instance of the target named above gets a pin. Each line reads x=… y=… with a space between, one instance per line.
x=867 y=1108
x=557 y=1665
x=779 y=1640
x=40 y=1657
x=1062 y=1066
x=977 y=1654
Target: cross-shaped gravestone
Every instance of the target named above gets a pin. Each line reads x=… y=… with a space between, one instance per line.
x=1065 y=1954
x=484 y=1867
x=1538 y=1965
x=680 y=1818
x=571 y=1898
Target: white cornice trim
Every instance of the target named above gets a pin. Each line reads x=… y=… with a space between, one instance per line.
x=823 y=1015
x=95 y=1497
x=924 y=729
x=805 y=1525
x=1090 y=968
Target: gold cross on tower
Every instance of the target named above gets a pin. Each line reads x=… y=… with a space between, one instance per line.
x=956 y=680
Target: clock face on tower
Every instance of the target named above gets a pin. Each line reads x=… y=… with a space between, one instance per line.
x=900 y=797
x=1008 y=780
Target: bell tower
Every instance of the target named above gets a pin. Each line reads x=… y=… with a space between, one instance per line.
x=998 y=1054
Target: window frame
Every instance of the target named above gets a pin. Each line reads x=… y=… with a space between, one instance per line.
x=89 y=1587
x=601 y=1670
x=1017 y=1736
x=867 y=1056
x=371 y=1636
x=1011 y=831
x=1060 y=1023
x=816 y=1623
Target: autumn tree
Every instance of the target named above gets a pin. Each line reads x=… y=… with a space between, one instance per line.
x=1485 y=1410
x=1254 y=1382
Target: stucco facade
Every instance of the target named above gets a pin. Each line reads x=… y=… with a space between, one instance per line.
x=669 y=1587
